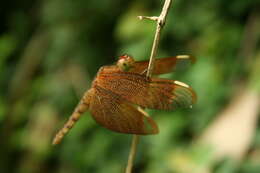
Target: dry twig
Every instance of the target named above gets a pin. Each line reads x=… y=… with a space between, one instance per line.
x=160 y=23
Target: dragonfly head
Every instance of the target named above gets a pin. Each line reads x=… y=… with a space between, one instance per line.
x=125 y=62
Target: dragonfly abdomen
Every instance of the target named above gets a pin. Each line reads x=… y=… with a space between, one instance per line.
x=79 y=110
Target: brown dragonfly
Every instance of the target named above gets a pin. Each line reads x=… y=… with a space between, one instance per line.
x=118 y=92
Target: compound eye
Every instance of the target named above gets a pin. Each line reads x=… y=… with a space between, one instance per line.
x=125 y=63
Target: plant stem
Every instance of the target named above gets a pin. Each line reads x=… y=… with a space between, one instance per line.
x=132 y=153
x=160 y=23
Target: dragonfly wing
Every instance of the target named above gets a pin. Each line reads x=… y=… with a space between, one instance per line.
x=171 y=94
x=116 y=114
x=148 y=92
x=161 y=65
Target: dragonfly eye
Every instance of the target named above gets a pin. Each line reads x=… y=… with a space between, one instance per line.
x=125 y=62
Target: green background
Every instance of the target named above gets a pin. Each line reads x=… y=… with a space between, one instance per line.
x=51 y=50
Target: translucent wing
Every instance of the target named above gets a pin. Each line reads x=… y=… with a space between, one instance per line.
x=148 y=92
x=114 y=113
x=161 y=65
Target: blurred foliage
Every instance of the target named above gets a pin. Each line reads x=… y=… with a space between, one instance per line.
x=51 y=50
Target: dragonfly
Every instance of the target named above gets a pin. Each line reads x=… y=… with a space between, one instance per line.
x=120 y=91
